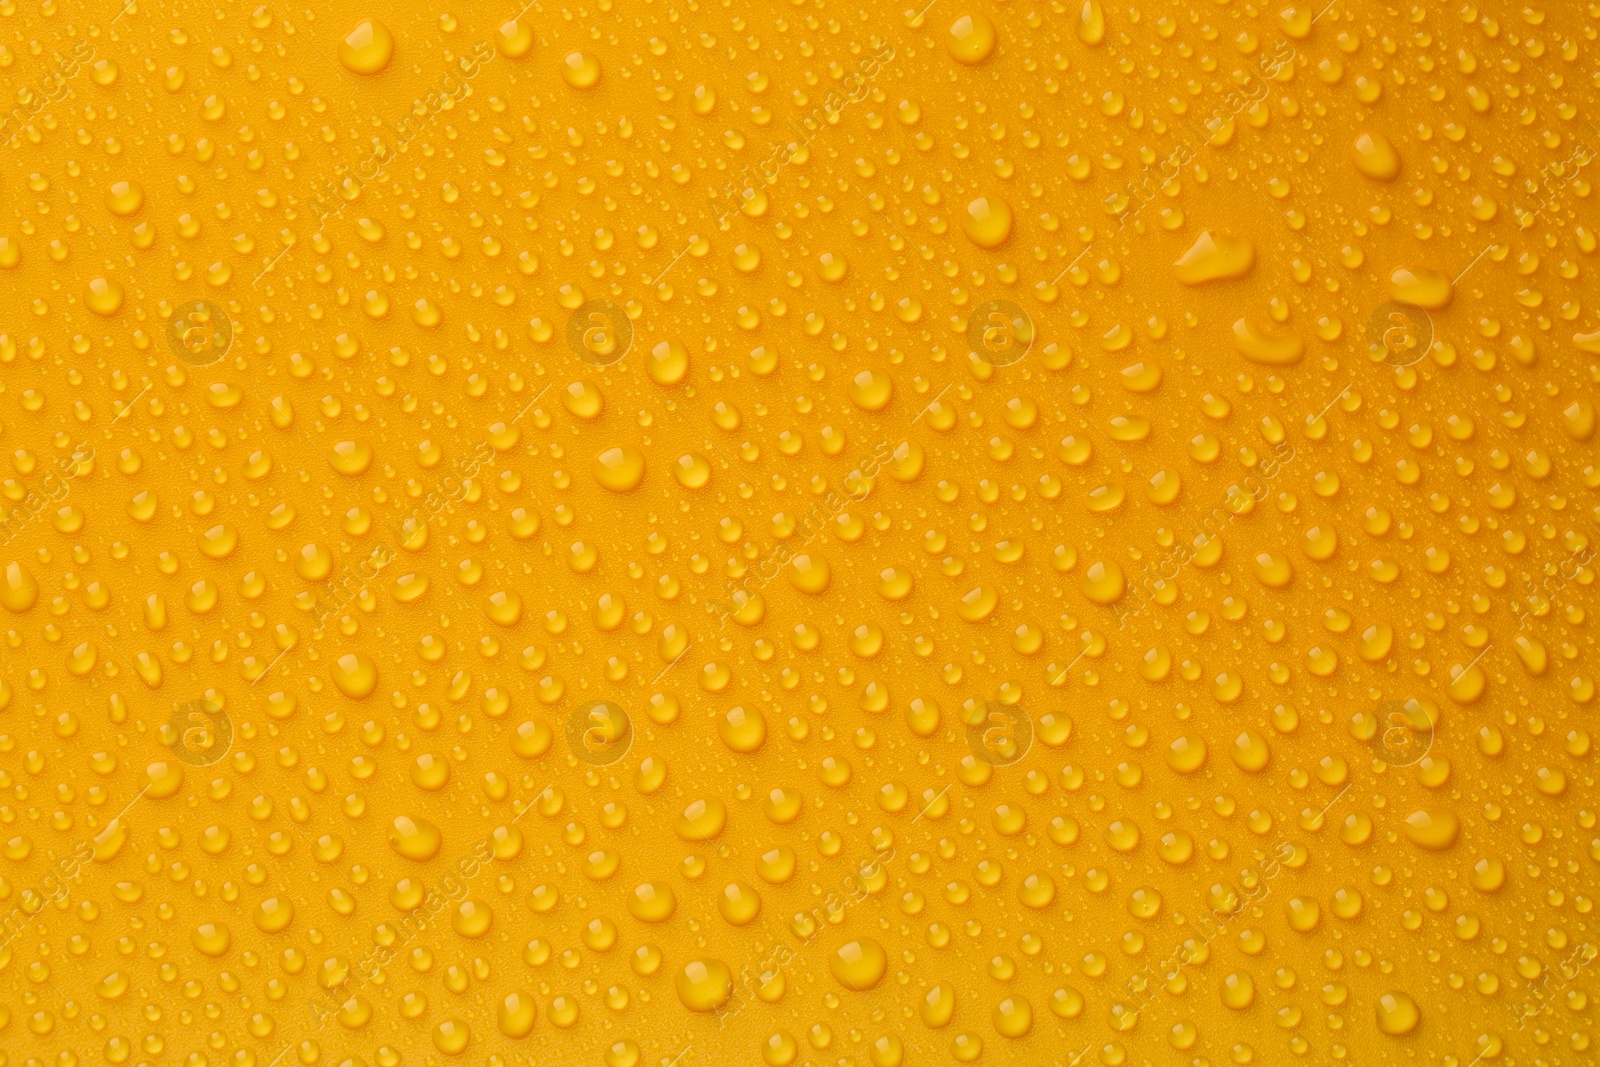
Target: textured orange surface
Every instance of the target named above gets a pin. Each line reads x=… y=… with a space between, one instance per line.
x=669 y=533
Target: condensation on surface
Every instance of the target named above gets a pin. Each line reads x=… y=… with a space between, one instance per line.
x=648 y=533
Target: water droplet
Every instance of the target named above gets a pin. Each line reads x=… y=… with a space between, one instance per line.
x=414 y=838
x=125 y=198
x=18 y=589
x=580 y=70
x=705 y=985
x=859 y=965
x=1397 y=1013
x=1434 y=829
x=987 y=221
x=1376 y=157
x=355 y=674
x=104 y=296
x=515 y=38
x=1215 y=257
x=620 y=469
x=367 y=48
x=971 y=39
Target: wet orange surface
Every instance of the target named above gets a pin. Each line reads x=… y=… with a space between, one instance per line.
x=677 y=534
